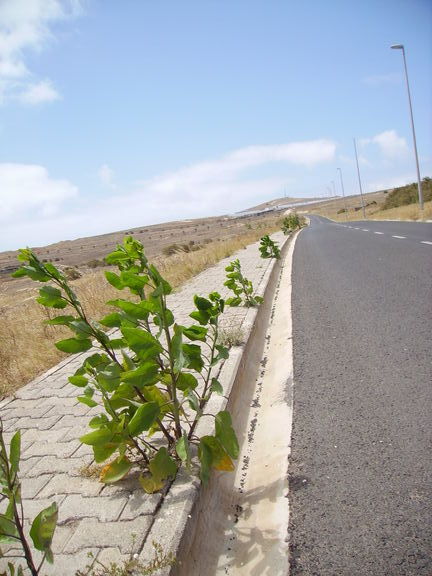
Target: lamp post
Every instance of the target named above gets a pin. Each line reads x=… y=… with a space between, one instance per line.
x=359 y=179
x=419 y=185
x=343 y=194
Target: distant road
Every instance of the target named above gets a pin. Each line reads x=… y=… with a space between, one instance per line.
x=361 y=472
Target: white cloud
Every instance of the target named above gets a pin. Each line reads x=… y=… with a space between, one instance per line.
x=106 y=176
x=26 y=25
x=40 y=92
x=36 y=208
x=391 y=146
x=27 y=192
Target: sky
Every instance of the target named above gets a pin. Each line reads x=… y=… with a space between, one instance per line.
x=121 y=114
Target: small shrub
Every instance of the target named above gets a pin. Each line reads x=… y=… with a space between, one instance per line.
x=71 y=272
x=96 y=263
x=241 y=286
x=144 y=376
x=269 y=248
x=341 y=211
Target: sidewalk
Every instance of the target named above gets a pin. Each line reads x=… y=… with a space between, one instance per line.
x=94 y=517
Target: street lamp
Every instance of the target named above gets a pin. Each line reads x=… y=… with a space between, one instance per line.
x=343 y=194
x=419 y=186
x=359 y=179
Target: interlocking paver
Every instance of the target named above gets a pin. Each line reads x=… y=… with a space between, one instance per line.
x=94 y=517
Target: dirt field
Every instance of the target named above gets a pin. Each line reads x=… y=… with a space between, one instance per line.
x=85 y=254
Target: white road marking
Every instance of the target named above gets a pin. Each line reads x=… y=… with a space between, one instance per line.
x=378 y=232
x=398 y=236
x=365 y=230
x=356 y=228
x=425 y=242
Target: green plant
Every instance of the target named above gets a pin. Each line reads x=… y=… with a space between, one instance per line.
x=12 y=528
x=241 y=286
x=341 y=211
x=152 y=375
x=130 y=566
x=231 y=336
x=269 y=248
x=291 y=223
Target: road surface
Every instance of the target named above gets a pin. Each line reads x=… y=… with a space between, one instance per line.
x=360 y=468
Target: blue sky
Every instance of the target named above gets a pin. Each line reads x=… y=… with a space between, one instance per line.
x=120 y=114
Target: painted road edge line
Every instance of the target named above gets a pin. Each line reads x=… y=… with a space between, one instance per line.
x=425 y=242
x=401 y=237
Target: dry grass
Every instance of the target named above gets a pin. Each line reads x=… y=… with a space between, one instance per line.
x=27 y=344
x=373 y=211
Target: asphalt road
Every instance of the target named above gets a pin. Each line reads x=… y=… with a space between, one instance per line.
x=360 y=468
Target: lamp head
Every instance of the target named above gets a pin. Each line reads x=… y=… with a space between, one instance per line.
x=397 y=46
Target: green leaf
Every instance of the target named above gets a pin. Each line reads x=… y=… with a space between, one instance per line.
x=161 y=467
x=186 y=381
x=146 y=374
x=15 y=453
x=87 y=401
x=195 y=333
x=116 y=470
x=216 y=387
x=81 y=328
x=143 y=418
x=79 y=381
x=51 y=297
x=61 y=320
x=202 y=303
x=74 y=345
x=182 y=448
x=200 y=316
x=225 y=433
x=205 y=456
x=101 y=453
x=7 y=529
x=138 y=311
x=43 y=528
x=113 y=278
x=223 y=351
x=192 y=353
x=220 y=459
x=32 y=273
x=97 y=438
x=111 y=320
x=233 y=301
x=133 y=281
x=142 y=342
x=109 y=377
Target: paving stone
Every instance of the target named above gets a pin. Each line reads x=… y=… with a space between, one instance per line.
x=31 y=487
x=60 y=449
x=139 y=504
x=77 y=507
x=52 y=465
x=35 y=435
x=39 y=423
x=67 y=565
x=66 y=484
x=93 y=533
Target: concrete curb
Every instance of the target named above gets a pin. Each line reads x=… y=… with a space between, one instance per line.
x=176 y=521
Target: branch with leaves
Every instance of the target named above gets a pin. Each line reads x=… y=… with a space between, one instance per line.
x=12 y=526
x=152 y=375
x=269 y=248
x=241 y=286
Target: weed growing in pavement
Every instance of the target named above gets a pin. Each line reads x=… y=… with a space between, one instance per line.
x=231 y=336
x=269 y=248
x=151 y=375
x=12 y=528
x=131 y=566
x=241 y=286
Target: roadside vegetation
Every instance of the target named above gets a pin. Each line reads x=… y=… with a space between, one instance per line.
x=398 y=204
x=27 y=348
